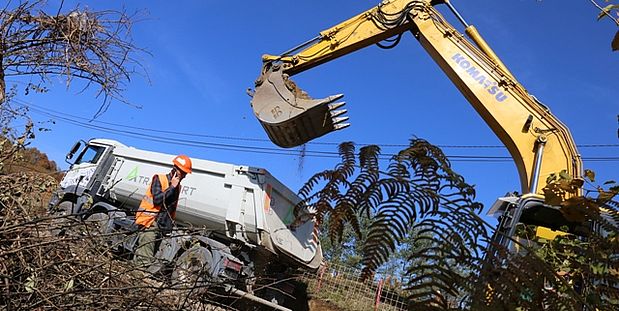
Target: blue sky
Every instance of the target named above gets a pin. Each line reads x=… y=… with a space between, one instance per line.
x=205 y=54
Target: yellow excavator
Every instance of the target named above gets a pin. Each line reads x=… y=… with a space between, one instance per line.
x=539 y=144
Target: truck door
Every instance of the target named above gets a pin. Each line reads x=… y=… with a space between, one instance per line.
x=84 y=167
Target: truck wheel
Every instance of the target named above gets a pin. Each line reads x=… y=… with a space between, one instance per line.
x=99 y=222
x=62 y=218
x=193 y=270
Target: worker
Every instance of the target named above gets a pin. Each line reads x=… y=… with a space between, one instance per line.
x=157 y=210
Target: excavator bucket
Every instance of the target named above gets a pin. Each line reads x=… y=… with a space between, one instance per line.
x=288 y=115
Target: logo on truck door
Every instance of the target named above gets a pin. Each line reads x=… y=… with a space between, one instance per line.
x=135 y=177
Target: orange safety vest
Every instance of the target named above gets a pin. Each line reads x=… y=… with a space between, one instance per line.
x=147 y=213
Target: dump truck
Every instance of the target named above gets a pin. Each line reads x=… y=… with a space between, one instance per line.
x=234 y=223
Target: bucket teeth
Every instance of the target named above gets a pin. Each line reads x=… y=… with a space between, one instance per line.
x=334 y=106
x=335 y=97
x=340 y=126
x=339 y=120
x=337 y=113
x=290 y=116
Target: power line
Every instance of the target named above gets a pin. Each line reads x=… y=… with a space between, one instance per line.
x=58 y=113
x=253 y=149
x=243 y=148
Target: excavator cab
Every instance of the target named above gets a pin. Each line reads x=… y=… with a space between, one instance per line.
x=290 y=116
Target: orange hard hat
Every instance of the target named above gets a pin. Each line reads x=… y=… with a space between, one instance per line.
x=183 y=162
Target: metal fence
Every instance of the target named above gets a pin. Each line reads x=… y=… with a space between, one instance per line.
x=343 y=287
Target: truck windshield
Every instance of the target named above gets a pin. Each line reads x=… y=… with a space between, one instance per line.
x=90 y=155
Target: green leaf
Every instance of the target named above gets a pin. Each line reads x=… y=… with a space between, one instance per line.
x=610 y=182
x=69 y=285
x=615 y=44
x=589 y=174
x=552 y=177
x=564 y=175
x=606 y=10
x=598 y=268
x=31 y=282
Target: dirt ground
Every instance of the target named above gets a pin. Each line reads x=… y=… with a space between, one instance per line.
x=320 y=305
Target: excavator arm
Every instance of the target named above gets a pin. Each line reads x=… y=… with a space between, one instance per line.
x=539 y=144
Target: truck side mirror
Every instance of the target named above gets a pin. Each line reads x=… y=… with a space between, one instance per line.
x=73 y=151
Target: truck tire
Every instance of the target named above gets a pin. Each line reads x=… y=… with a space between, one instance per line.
x=193 y=270
x=99 y=222
x=62 y=220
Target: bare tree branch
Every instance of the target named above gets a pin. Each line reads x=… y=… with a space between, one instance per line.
x=605 y=12
x=94 y=46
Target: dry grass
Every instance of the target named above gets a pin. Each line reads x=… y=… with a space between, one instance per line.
x=75 y=271
x=42 y=270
